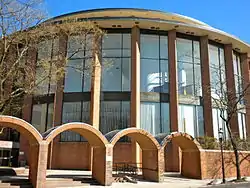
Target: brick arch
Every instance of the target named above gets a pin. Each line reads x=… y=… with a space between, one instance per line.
x=94 y=136
x=144 y=138
x=183 y=140
x=25 y=128
x=151 y=151
x=35 y=142
x=190 y=155
x=102 y=149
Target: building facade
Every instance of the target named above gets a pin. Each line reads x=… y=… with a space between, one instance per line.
x=164 y=71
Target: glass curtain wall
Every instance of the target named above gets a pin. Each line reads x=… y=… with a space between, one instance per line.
x=189 y=69
x=189 y=84
x=237 y=74
x=191 y=120
x=242 y=125
x=77 y=79
x=154 y=63
x=116 y=78
x=155 y=117
x=75 y=112
x=154 y=79
x=45 y=79
x=217 y=71
x=116 y=61
x=42 y=116
x=218 y=85
x=78 y=67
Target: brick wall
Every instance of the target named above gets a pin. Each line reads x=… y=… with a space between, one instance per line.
x=71 y=155
x=211 y=164
x=75 y=155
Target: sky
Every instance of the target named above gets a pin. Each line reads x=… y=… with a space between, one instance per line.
x=231 y=16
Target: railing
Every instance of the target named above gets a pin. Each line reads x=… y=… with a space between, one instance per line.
x=127 y=168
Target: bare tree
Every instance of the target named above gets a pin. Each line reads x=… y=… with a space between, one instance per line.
x=229 y=102
x=24 y=32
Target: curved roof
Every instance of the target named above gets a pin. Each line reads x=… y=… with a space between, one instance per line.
x=124 y=12
x=151 y=19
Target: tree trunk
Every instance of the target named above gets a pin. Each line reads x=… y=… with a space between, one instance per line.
x=237 y=163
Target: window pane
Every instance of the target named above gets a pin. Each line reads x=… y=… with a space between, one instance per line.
x=200 y=121
x=196 y=52
x=165 y=121
x=86 y=112
x=73 y=76
x=150 y=80
x=184 y=50
x=197 y=80
x=42 y=81
x=186 y=119
x=44 y=50
x=112 y=41
x=126 y=74
x=87 y=74
x=50 y=116
x=126 y=41
x=76 y=45
x=150 y=117
x=164 y=47
x=114 y=115
x=185 y=78
x=150 y=46
x=111 y=76
x=164 y=78
x=39 y=117
x=214 y=56
x=71 y=113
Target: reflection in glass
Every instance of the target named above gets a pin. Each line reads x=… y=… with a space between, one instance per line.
x=217 y=71
x=191 y=120
x=116 y=71
x=237 y=75
x=42 y=116
x=74 y=112
x=114 y=115
x=154 y=63
x=189 y=70
x=155 y=117
x=242 y=125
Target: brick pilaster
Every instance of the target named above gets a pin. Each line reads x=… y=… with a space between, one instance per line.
x=206 y=91
x=246 y=81
x=228 y=51
x=135 y=89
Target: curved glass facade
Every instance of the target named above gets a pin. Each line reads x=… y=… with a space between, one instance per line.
x=154 y=83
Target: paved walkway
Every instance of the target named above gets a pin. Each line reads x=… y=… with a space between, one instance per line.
x=170 y=180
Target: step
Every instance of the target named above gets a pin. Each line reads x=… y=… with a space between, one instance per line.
x=64 y=183
x=3 y=185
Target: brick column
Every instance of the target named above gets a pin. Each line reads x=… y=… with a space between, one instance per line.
x=58 y=100
x=135 y=89
x=103 y=164
x=27 y=108
x=206 y=91
x=95 y=84
x=152 y=164
x=173 y=149
x=38 y=164
x=228 y=51
x=173 y=80
x=246 y=81
x=95 y=91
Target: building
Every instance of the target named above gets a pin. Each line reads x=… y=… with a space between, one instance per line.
x=162 y=65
